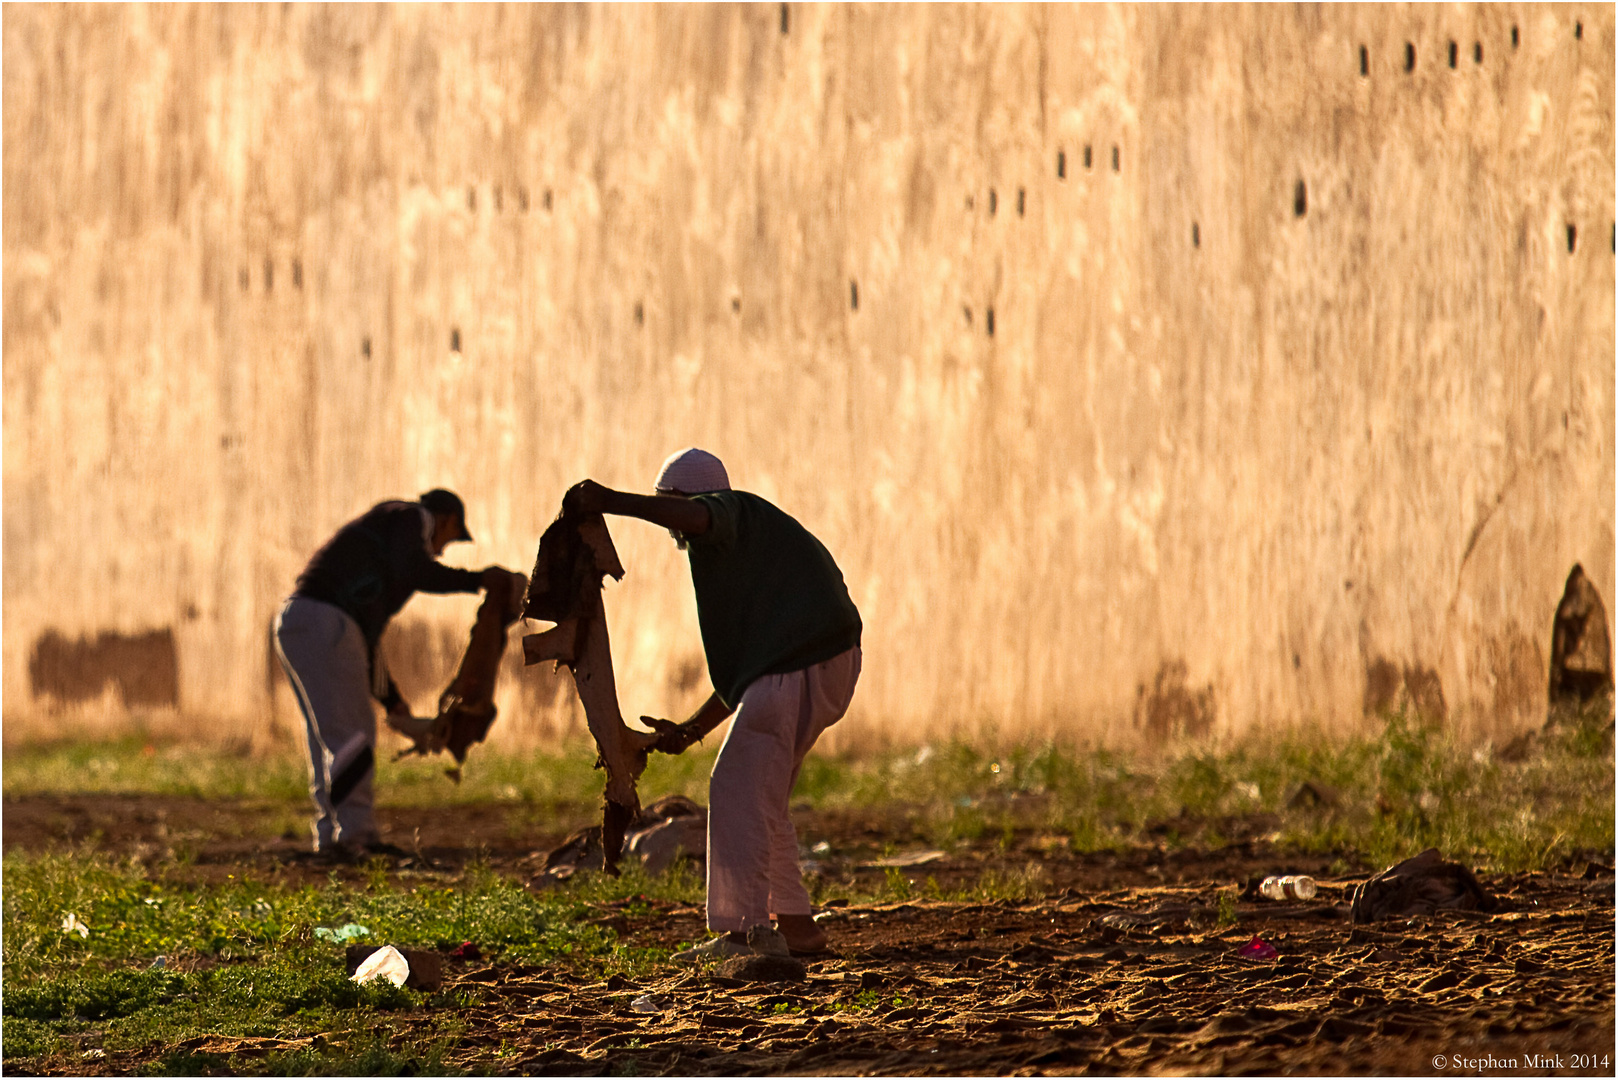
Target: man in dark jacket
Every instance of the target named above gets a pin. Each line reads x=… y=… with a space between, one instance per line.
x=782 y=639
x=327 y=635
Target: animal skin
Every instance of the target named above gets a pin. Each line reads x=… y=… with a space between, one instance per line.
x=1420 y=885
x=466 y=708
x=575 y=554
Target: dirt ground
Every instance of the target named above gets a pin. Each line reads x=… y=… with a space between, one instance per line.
x=1120 y=968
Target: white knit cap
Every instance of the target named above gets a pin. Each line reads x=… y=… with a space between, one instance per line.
x=692 y=472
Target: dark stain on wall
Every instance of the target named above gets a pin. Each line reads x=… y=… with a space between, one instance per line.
x=1414 y=688
x=144 y=668
x=1171 y=708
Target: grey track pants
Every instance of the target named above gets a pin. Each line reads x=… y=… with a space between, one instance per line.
x=323 y=651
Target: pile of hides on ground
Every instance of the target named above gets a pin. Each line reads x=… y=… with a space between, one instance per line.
x=1420 y=885
x=670 y=829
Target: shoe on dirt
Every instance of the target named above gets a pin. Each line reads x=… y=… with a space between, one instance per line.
x=719 y=948
x=767 y=941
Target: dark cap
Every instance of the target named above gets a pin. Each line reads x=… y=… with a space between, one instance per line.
x=447 y=504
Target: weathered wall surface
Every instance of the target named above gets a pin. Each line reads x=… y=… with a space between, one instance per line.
x=1146 y=368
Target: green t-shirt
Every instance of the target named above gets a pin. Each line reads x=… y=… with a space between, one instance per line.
x=769 y=597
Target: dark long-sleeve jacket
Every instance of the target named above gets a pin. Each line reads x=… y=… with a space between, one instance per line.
x=373 y=565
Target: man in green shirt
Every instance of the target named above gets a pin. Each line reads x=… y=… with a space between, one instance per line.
x=782 y=640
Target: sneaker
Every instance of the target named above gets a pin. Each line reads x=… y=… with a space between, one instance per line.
x=766 y=940
x=719 y=948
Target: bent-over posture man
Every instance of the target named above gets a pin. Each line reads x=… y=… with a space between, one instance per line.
x=327 y=633
x=782 y=640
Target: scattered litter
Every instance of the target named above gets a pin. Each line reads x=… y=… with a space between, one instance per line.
x=152 y=901
x=466 y=951
x=1163 y=915
x=824 y=848
x=343 y=934
x=911 y=858
x=1288 y=887
x=386 y=963
x=1257 y=949
x=72 y=925
x=1420 y=886
x=423 y=968
x=159 y=964
x=651 y=1003
x=94 y=1055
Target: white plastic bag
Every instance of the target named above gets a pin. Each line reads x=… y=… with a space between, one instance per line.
x=386 y=963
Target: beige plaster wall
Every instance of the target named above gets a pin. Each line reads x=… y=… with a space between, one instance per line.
x=1309 y=465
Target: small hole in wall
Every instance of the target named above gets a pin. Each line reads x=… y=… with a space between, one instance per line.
x=1086 y=157
x=472 y=199
x=497 y=198
x=1300 y=199
x=988 y=321
x=1454 y=51
x=1513 y=37
x=455 y=340
x=785 y=19
x=1572 y=238
x=1115 y=158
x=1365 y=60
x=1061 y=165
x=546 y=200
x=1477 y=52
x=1021 y=199
x=1578 y=31
x=735 y=305
x=269 y=275
x=297 y=274
x=994 y=202
x=854 y=295
x=522 y=199
x=244 y=279
x=640 y=314
x=1410 y=57
x=365 y=348
x=1196 y=235
x=967 y=311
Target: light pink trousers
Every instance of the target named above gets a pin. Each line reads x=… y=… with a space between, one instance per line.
x=752 y=848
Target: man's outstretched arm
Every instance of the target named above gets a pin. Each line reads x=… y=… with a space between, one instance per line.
x=670 y=511
x=678 y=738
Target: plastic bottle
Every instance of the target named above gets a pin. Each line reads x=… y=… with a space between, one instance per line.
x=1288 y=887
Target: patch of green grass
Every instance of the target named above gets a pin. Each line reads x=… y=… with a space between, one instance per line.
x=134 y=764
x=1406 y=787
x=1393 y=793
x=541 y=781
x=242 y=958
